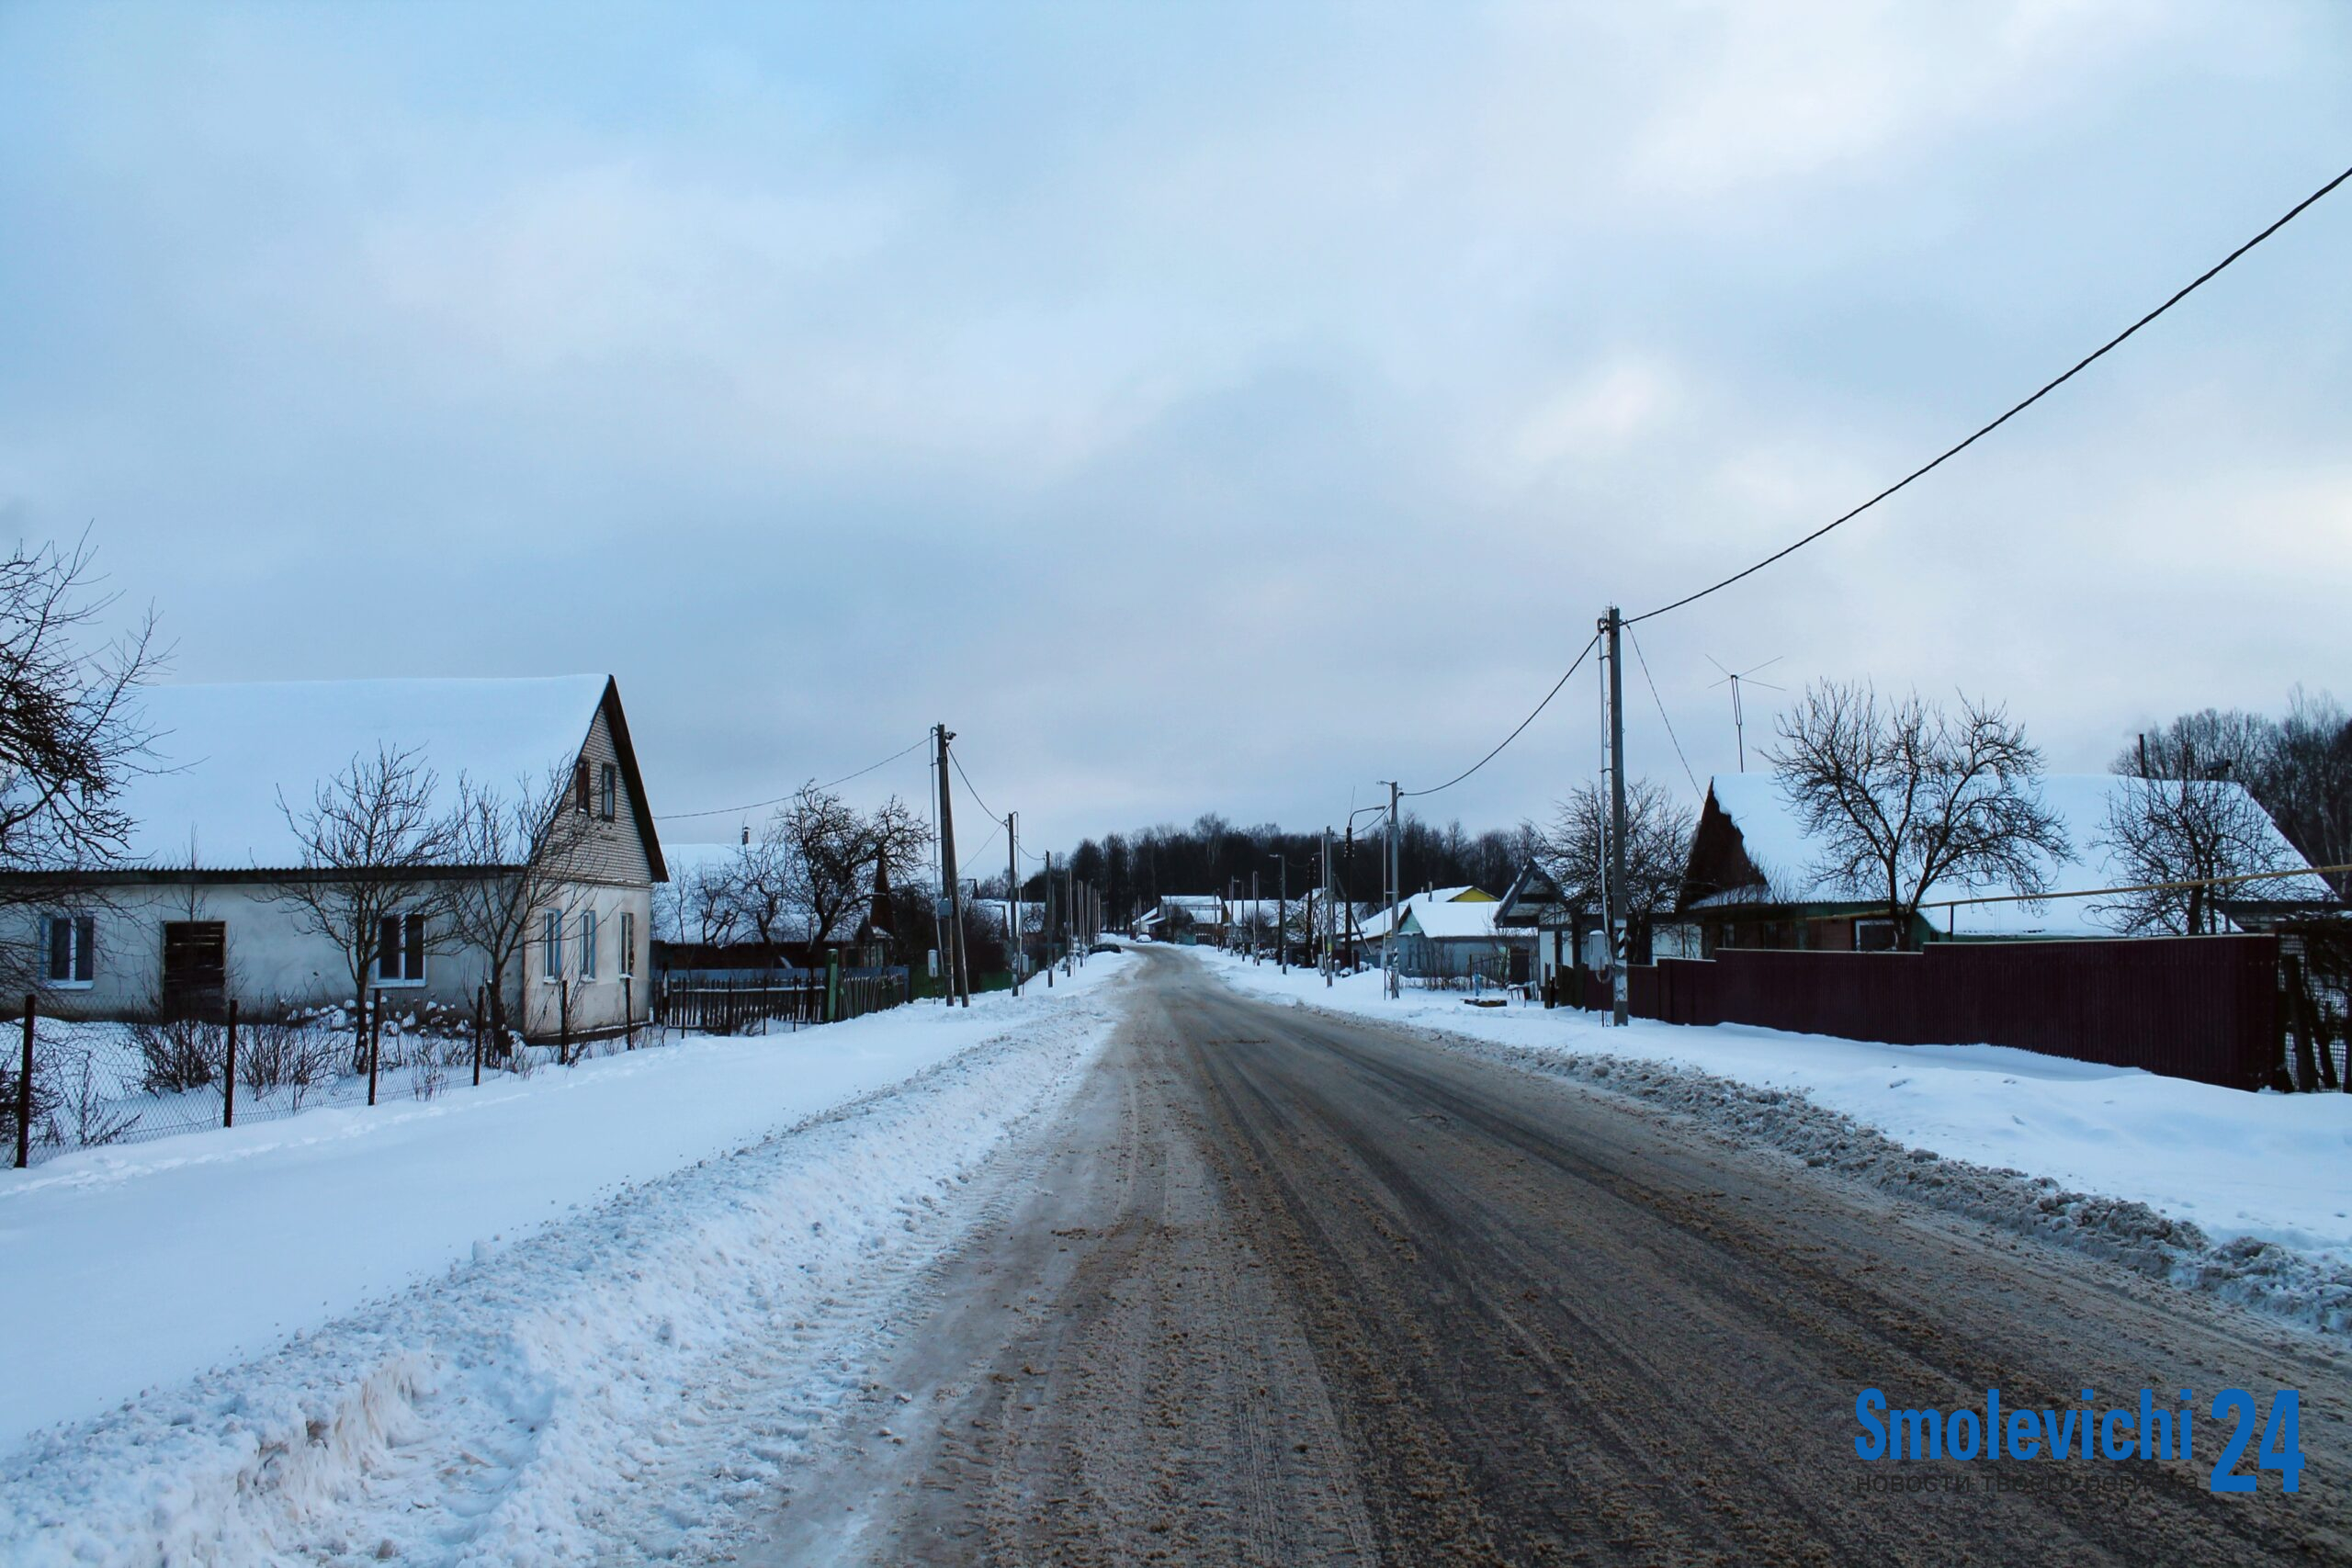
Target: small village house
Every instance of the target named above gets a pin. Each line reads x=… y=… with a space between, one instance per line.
x=1449 y=934
x=199 y=913
x=1754 y=878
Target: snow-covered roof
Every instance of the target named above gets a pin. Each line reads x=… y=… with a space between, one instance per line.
x=1445 y=922
x=232 y=750
x=1444 y=912
x=1778 y=846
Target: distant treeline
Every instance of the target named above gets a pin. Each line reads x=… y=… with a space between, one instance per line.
x=1134 y=870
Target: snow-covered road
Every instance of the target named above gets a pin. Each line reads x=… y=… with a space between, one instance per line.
x=2273 y=1167
x=2235 y=1193
x=492 y=1326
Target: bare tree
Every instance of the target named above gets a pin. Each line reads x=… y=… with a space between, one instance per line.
x=768 y=883
x=1904 y=795
x=1657 y=852
x=2212 y=743
x=70 y=735
x=2181 y=817
x=373 y=851
x=707 y=904
x=518 y=846
x=838 y=850
x=2308 y=786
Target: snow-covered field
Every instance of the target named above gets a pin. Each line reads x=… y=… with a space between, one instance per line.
x=487 y=1326
x=2242 y=1168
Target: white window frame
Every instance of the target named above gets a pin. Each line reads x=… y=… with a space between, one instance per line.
x=587 y=945
x=81 y=956
x=550 y=946
x=629 y=945
x=608 y=791
x=412 y=945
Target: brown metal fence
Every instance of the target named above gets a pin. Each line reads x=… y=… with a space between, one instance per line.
x=2200 y=1008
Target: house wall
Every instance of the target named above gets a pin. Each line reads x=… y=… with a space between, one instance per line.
x=1455 y=957
x=273 y=962
x=608 y=873
x=609 y=852
x=548 y=997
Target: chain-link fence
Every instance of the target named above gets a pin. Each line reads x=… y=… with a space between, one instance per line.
x=96 y=1084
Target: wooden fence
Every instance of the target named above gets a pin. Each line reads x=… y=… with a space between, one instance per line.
x=715 y=1004
x=2200 y=1008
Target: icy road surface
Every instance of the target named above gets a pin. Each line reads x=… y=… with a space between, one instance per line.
x=1290 y=1288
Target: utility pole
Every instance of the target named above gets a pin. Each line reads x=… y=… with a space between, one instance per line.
x=1331 y=911
x=1013 y=954
x=1392 y=871
x=1257 y=914
x=1620 y=911
x=1355 y=937
x=1047 y=918
x=1282 y=918
x=959 y=981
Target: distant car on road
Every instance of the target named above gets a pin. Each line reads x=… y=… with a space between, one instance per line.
x=1104 y=947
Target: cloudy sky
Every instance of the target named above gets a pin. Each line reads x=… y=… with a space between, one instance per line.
x=1197 y=407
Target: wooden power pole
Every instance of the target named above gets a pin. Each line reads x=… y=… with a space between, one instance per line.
x=959 y=977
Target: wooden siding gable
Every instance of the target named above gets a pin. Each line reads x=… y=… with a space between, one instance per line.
x=625 y=851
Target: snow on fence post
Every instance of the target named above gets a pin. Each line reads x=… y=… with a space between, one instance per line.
x=628 y=1014
x=373 y=1022
x=25 y=1093
x=478 y=1001
x=229 y=1071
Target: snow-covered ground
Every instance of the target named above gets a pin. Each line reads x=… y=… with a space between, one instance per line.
x=464 y=1329
x=2268 y=1168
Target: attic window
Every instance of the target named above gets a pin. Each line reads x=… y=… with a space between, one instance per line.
x=609 y=795
x=580 y=802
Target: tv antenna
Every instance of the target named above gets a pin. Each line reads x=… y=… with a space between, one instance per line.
x=1738 y=716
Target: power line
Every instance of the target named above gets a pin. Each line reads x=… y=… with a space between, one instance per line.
x=1661 y=710
x=2048 y=387
x=754 y=805
x=974 y=850
x=985 y=808
x=1416 y=793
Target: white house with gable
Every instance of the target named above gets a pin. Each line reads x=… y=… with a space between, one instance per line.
x=200 y=914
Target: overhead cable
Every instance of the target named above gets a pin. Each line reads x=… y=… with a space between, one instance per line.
x=1416 y=793
x=1982 y=431
x=779 y=800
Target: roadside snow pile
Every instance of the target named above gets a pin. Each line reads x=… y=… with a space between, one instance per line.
x=503 y=1410
x=2103 y=1160
x=2251 y=1272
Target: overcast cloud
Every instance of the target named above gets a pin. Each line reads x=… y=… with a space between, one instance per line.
x=1198 y=408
